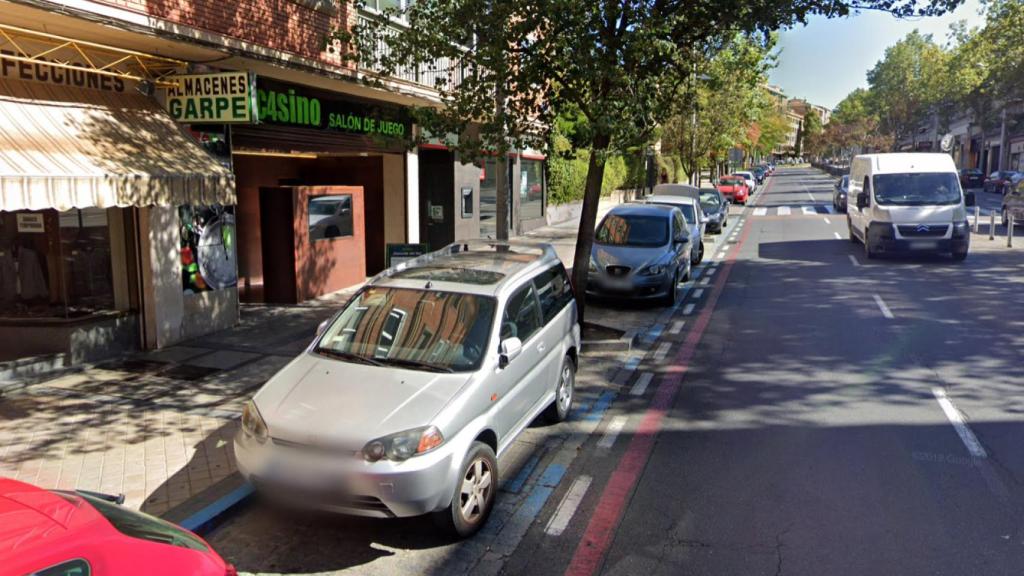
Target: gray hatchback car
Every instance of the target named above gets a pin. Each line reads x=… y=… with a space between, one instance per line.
x=641 y=251
x=407 y=397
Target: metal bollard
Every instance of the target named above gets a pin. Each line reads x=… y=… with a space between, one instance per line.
x=977 y=218
x=992 y=227
x=1009 y=231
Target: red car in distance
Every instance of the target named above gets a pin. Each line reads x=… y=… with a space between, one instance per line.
x=734 y=188
x=68 y=533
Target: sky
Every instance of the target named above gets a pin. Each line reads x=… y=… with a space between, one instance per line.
x=827 y=59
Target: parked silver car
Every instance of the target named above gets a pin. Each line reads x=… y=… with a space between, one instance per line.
x=405 y=400
x=640 y=251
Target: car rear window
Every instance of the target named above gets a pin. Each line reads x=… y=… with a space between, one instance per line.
x=143 y=526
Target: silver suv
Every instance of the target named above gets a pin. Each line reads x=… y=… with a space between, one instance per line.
x=407 y=397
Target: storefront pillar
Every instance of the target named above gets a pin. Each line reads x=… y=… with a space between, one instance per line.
x=412 y=196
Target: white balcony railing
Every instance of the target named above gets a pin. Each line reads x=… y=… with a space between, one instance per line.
x=449 y=72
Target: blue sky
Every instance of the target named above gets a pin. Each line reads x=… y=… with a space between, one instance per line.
x=826 y=59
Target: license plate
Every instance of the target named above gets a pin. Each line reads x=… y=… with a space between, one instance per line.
x=617 y=284
x=923 y=245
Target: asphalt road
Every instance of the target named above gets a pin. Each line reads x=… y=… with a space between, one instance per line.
x=802 y=411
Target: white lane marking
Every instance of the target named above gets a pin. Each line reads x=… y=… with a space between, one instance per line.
x=829 y=209
x=641 y=384
x=662 y=351
x=783 y=210
x=688 y=309
x=711 y=270
x=838 y=237
x=808 y=211
x=809 y=195
x=612 y=432
x=567 y=507
x=827 y=221
x=705 y=281
x=677 y=326
x=854 y=260
x=698 y=293
x=957 y=420
x=881 y=306
x=762 y=211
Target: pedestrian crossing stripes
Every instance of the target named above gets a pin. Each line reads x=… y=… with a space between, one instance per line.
x=803 y=210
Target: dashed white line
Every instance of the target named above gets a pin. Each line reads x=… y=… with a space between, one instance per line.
x=762 y=211
x=705 y=281
x=677 y=326
x=698 y=293
x=854 y=260
x=838 y=237
x=827 y=221
x=808 y=210
x=957 y=420
x=881 y=306
x=688 y=309
x=711 y=270
x=641 y=384
x=567 y=507
x=612 y=432
x=662 y=351
x=783 y=210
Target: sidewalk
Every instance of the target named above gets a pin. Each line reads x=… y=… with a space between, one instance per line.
x=158 y=426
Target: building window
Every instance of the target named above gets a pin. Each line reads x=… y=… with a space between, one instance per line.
x=208 y=257
x=330 y=216
x=531 y=189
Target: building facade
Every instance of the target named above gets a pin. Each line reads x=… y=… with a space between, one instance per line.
x=148 y=213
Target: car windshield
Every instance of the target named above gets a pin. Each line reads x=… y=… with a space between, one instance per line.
x=917 y=189
x=710 y=201
x=143 y=526
x=427 y=330
x=632 y=230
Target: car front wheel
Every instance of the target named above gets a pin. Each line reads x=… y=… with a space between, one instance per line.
x=474 y=493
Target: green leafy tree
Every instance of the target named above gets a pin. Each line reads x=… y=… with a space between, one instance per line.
x=620 y=63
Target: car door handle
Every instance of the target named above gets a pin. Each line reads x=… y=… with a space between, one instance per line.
x=541 y=347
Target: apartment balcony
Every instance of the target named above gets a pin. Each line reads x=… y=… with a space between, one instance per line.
x=442 y=73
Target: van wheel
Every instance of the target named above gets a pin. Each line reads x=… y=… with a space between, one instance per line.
x=559 y=410
x=960 y=256
x=474 y=493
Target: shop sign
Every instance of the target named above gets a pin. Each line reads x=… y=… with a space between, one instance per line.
x=299 y=106
x=398 y=253
x=32 y=223
x=225 y=97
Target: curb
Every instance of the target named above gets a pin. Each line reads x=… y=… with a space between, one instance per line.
x=204 y=511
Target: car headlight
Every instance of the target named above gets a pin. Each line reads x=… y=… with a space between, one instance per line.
x=403 y=445
x=252 y=423
x=654 y=270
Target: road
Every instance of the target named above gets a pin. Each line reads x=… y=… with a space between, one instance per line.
x=803 y=411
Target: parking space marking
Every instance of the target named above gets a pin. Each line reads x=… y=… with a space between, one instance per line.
x=688 y=309
x=882 y=306
x=641 y=384
x=838 y=237
x=762 y=211
x=783 y=211
x=612 y=432
x=854 y=260
x=631 y=363
x=705 y=281
x=677 y=327
x=955 y=418
x=711 y=270
x=662 y=351
x=567 y=507
x=600 y=407
x=827 y=221
x=808 y=210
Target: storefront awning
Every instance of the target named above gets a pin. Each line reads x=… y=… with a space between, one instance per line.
x=66 y=147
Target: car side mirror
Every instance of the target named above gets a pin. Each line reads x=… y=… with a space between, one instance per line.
x=862 y=200
x=681 y=238
x=508 y=350
x=322 y=327
x=969 y=199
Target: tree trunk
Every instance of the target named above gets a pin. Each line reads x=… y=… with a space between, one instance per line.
x=501 y=210
x=588 y=221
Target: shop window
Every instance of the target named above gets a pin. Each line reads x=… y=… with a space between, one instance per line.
x=330 y=216
x=489 y=197
x=531 y=189
x=55 y=264
x=208 y=257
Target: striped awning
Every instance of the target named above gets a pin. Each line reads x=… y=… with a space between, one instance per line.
x=65 y=147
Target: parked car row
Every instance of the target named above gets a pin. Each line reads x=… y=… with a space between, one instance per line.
x=1001 y=181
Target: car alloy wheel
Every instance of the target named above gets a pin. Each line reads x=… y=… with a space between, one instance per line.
x=474 y=495
x=559 y=409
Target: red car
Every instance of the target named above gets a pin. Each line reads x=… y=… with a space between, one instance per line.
x=734 y=188
x=51 y=533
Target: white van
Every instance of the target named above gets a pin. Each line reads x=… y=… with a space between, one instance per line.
x=905 y=202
